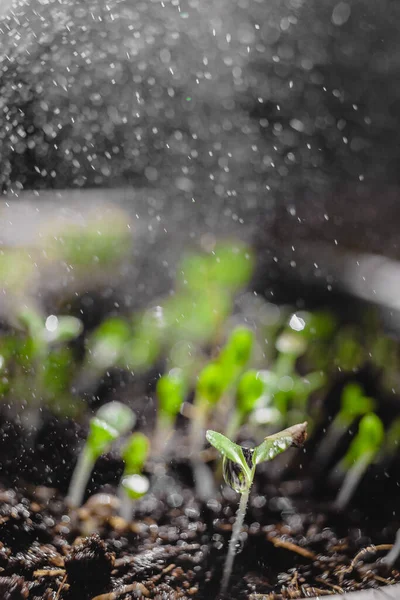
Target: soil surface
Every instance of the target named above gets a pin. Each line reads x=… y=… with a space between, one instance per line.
x=175 y=547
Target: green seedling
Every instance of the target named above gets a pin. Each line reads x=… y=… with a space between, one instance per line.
x=362 y=452
x=133 y=484
x=210 y=386
x=36 y=355
x=348 y=351
x=354 y=404
x=233 y=359
x=249 y=390
x=171 y=389
x=239 y=467
x=290 y=346
x=392 y=440
x=111 y=421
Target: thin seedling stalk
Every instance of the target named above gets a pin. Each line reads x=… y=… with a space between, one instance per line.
x=125 y=510
x=236 y=530
x=80 y=478
x=351 y=481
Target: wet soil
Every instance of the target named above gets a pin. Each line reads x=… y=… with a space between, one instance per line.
x=293 y=545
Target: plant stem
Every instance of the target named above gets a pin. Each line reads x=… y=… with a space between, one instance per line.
x=237 y=528
x=126 y=506
x=351 y=481
x=80 y=477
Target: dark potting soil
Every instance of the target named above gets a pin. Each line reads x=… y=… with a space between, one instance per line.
x=175 y=547
x=293 y=545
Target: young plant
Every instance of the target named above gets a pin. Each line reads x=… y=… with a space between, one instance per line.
x=233 y=359
x=362 y=452
x=133 y=484
x=239 y=467
x=110 y=422
x=249 y=390
x=211 y=383
x=171 y=394
x=354 y=404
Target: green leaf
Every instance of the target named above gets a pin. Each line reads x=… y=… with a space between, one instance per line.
x=227 y=448
x=291 y=343
x=62 y=329
x=135 y=486
x=135 y=453
x=211 y=383
x=105 y=345
x=354 y=403
x=238 y=349
x=118 y=416
x=170 y=391
x=368 y=440
x=277 y=443
x=250 y=388
x=101 y=435
x=231 y=265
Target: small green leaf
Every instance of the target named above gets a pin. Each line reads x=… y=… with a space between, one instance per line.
x=277 y=443
x=100 y=437
x=368 y=440
x=135 y=486
x=354 y=403
x=250 y=389
x=291 y=343
x=171 y=393
x=118 y=416
x=107 y=342
x=232 y=451
x=62 y=328
x=239 y=347
x=211 y=383
x=135 y=453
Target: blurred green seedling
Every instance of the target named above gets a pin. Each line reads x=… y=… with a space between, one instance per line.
x=111 y=421
x=233 y=359
x=133 y=484
x=239 y=467
x=348 y=352
x=354 y=404
x=249 y=390
x=362 y=452
x=171 y=391
x=211 y=384
x=290 y=346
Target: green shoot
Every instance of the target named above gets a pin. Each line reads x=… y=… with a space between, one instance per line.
x=211 y=383
x=237 y=351
x=239 y=467
x=354 y=404
x=362 y=452
x=209 y=390
x=249 y=390
x=170 y=391
x=111 y=421
x=290 y=346
x=133 y=484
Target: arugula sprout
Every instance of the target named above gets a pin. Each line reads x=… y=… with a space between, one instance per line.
x=110 y=422
x=362 y=452
x=249 y=390
x=354 y=404
x=170 y=390
x=133 y=484
x=211 y=383
x=239 y=467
